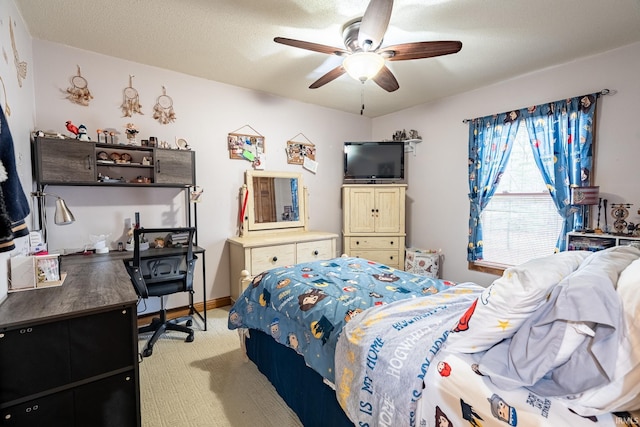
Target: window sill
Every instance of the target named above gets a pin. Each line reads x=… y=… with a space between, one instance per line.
x=488 y=267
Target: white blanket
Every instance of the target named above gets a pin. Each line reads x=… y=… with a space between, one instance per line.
x=384 y=353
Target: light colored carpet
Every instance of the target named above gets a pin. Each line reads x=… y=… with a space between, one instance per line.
x=207 y=382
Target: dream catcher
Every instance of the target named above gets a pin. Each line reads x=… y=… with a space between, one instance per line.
x=79 y=92
x=131 y=102
x=21 y=66
x=163 y=110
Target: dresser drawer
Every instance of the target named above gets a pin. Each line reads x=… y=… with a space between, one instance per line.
x=313 y=251
x=268 y=257
x=368 y=242
x=386 y=257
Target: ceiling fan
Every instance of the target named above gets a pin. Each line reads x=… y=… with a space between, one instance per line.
x=364 y=58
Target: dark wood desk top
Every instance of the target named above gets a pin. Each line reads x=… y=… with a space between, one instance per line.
x=92 y=284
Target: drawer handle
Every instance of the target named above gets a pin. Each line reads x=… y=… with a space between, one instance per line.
x=391 y=242
x=357 y=242
x=391 y=257
x=274 y=259
x=316 y=253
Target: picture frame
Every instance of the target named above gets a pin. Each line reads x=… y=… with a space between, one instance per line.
x=298 y=151
x=245 y=146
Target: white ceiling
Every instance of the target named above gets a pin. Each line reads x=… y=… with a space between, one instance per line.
x=231 y=41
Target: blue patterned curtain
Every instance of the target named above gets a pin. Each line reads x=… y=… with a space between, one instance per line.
x=490 y=142
x=561 y=135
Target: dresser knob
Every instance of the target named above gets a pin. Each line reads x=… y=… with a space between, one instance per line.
x=316 y=253
x=274 y=259
x=391 y=242
x=357 y=242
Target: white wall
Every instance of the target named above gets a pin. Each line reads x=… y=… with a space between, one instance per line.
x=20 y=103
x=206 y=111
x=438 y=206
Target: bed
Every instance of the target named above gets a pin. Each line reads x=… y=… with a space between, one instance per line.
x=352 y=342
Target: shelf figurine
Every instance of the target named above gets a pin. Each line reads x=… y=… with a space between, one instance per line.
x=131 y=133
x=72 y=128
x=82 y=133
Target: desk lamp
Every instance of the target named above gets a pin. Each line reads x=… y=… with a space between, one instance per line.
x=584 y=197
x=63 y=215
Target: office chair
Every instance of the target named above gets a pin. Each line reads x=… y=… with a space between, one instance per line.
x=162 y=272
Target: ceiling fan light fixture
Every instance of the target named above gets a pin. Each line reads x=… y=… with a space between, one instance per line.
x=363 y=66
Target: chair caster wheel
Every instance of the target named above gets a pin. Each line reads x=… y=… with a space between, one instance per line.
x=189 y=338
x=147 y=352
x=189 y=322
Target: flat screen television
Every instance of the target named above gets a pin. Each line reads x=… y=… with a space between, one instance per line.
x=373 y=162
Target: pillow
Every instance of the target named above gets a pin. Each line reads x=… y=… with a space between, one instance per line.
x=505 y=305
x=623 y=392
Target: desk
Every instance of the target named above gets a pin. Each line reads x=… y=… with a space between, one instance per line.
x=152 y=252
x=69 y=354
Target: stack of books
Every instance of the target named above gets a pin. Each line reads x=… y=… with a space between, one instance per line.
x=178 y=239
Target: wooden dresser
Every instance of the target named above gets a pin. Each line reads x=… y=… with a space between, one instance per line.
x=273 y=232
x=258 y=253
x=374 y=222
x=69 y=354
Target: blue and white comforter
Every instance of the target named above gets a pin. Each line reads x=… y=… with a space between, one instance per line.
x=306 y=306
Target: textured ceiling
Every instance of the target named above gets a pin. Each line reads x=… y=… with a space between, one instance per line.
x=231 y=41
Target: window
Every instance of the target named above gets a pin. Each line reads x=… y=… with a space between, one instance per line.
x=521 y=221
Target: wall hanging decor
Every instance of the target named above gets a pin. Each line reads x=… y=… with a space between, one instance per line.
x=21 y=66
x=163 y=110
x=131 y=102
x=302 y=153
x=247 y=147
x=79 y=92
x=297 y=151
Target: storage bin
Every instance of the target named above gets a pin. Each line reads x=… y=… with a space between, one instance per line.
x=425 y=262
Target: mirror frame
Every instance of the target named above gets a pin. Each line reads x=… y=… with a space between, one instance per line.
x=251 y=224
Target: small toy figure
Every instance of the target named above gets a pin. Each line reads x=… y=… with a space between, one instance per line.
x=82 y=133
x=71 y=127
x=131 y=133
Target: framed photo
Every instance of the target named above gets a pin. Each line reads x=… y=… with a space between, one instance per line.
x=245 y=147
x=298 y=151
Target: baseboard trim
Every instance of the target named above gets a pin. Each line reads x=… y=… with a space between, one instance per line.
x=145 y=319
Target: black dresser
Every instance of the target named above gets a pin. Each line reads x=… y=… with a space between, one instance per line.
x=69 y=354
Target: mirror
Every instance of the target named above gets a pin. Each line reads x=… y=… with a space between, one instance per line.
x=275 y=200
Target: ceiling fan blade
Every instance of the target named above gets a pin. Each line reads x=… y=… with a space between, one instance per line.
x=418 y=50
x=315 y=47
x=330 y=76
x=386 y=80
x=374 y=24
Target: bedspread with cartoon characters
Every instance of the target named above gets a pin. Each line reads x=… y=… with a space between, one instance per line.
x=457 y=394
x=383 y=355
x=553 y=342
x=305 y=306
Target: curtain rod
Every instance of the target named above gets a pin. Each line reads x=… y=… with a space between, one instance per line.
x=602 y=92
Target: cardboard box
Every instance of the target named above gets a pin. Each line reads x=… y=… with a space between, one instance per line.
x=425 y=262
